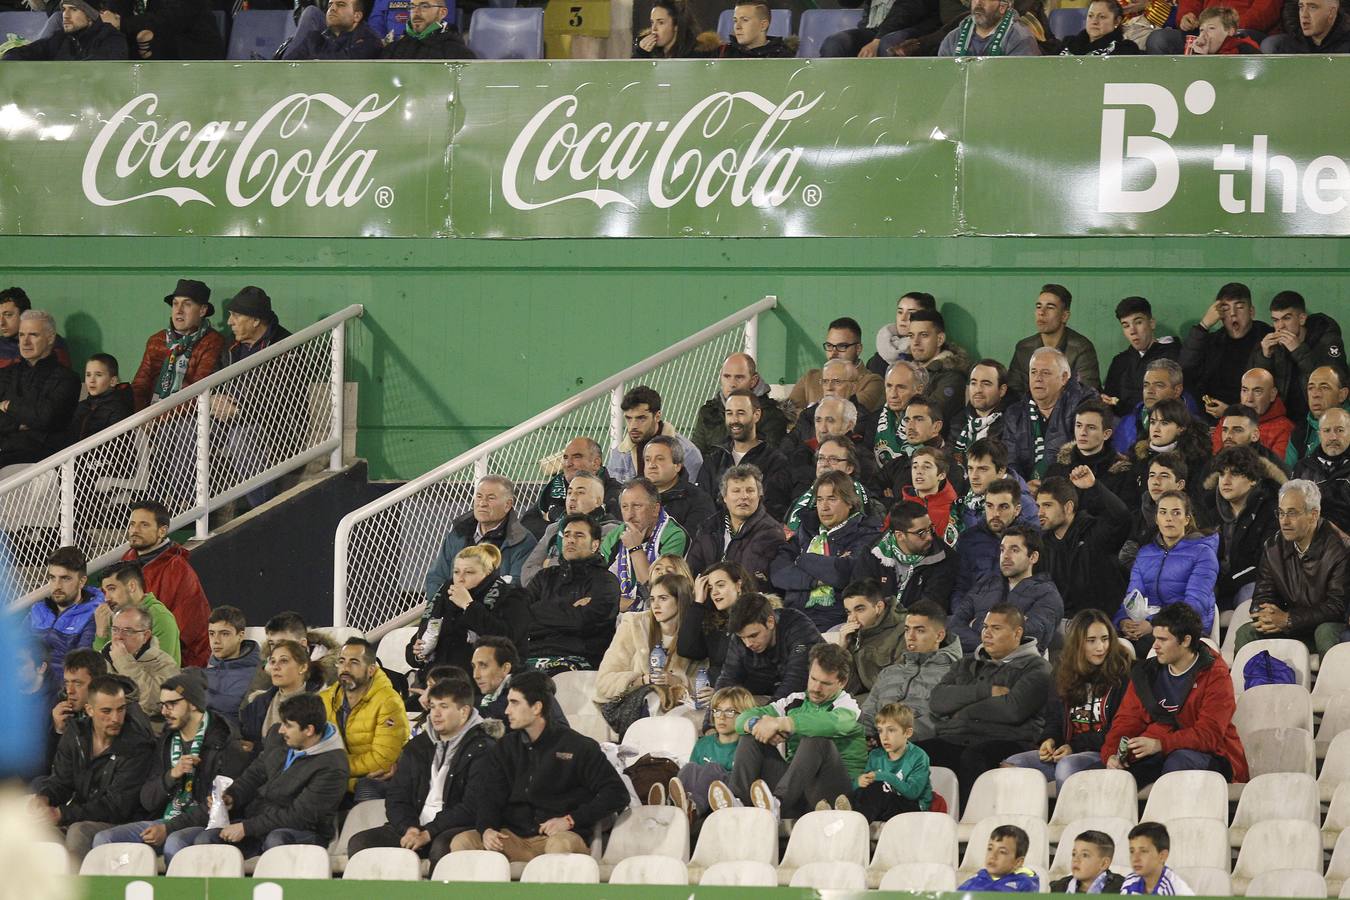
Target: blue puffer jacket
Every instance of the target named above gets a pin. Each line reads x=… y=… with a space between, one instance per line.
x=63 y=631
x=387 y=17
x=1184 y=574
x=227 y=681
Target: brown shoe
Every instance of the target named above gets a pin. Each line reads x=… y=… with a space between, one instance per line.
x=656 y=795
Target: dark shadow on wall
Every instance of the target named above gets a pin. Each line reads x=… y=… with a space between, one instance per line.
x=84 y=338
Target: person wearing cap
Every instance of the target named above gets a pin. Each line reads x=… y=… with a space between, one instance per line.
x=196 y=747
x=83 y=35
x=185 y=352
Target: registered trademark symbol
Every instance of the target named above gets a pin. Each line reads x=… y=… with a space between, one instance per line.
x=811 y=195
x=384 y=197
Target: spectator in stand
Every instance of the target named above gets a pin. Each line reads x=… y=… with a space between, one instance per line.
x=1053 y=331
x=493 y=521
x=1090 y=861
x=1240 y=426
x=929 y=652
x=574 y=604
x=987 y=462
x=196 y=747
x=1274 y=429
x=1178 y=711
x=746 y=445
x=546 y=786
x=1180 y=565
x=992 y=29
x=843 y=340
x=990 y=704
x=495 y=660
x=427 y=34
x=585 y=496
x=185 y=352
x=319 y=648
x=673 y=33
x=873 y=634
x=1243 y=489
x=478 y=600
x=1221 y=37
x=64 y=620
x=340 y=32
x=978 y=548
x=1163 y=380
x=1166 y=472
x=1083 y=527
x=923 y=428
x=819 y=560
x=369 y=716
x=1172 y=429
x=1303 y=579
x=291 y=793
x=233 y=661
x=1300 y=344
x=83 y=35
x=712 y=425
x=168 y=29
x=837 y=444
x=880 y=17
x=1004 y=869
x=713 y=756
x=123 y=585
x=101 y=764
x=982 y=416
x=169 y=576
x=1328 y=467
x=704 y=631
x=840 y=455
x=905 y=380
x=79 y=669
x=1090 y=681
x=1123 y=390
x=580 y=455
x=824 y=749
x=1326 y=390
x=134 y=653
x=839 y=381
x=1215 y=361
x=1093 y=426
x=895 y=778
x=768 y=655
x=892 y=340
x=290 y=673
x=746 y=534
x=750 y=38
x=433 y=795
x=681 y=499
x=1149 y=848
x=948 y=364
x=648 y=532
x=1034 y=430
x=107 y=400
x=1311 y=26
x=388 y=18
x=1017 y=584
x=14 y=303
x=33 y=674
x=641 y=408
x=38 y=396
x=932 y=490
x=1218 y=34
x=911 y=563
x=1104 y=36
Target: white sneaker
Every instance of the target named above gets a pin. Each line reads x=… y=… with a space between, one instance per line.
x=763 y=797
x=656 y=795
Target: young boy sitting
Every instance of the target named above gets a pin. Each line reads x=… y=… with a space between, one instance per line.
x=1004 y=864
x=107 y=401
x=896 y=778
x=1149 y=846
x=1090 y=867
x=713 y=755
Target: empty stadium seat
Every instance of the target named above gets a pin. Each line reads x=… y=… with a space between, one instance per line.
x=827 y=836
x=1338 y=873
x=1335 y=719
x=1199 y=843
x=1273 y=706
x=1277 y=844
x=1337 y=818
x=383 y=864
x=1189 y=794
x=830 y=876
x=945 y=782
x=363 y=816
x=1207 y=882
x=127 y=860
x=1118 y=828
x=391 y=651
x=818 y=24
x=1067 y=22
x=496 y=33
x=918 y=877
x=257 y=33
x=780 y=24
x=561 y=868
x=733 y=835
x=472 y=865
x=1287 y=883
x=1335 y=768
x=916 y=837
x=1279 y=750
x=649 y=870
x=294 y=861
x=1333 y=677
x=1109 y=793
x=740 y=873
x=1277 y=795
x=1241 y=613
x=575 y=692
x=1001 y=792
x=646 y=831
x=208 y=861
x=1038 y=850
x=22 y=23
x=672 y=736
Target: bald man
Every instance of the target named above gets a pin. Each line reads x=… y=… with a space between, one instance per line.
x=582 y=454
x=739 y=373
x=1328 y=466
x=1327 y=388
x=1258 y=391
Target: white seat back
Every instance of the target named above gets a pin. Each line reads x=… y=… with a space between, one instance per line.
x=1279 y=750
x=1276 y=795
x=650 y=870
x=1295 y=653
x=830 y=876
x=363 y=816
x=1277 y=844
x=208 y=861
x=1336 y=767
x=648 y=831
x=916 y=837
x=294 y=861
x=1198 y=843
x=740 y=873
x=1333 y=676
x=827 y=836
x=1186 y=795
x=392 y=651
x=737 y=833
x=576 y=692
x=664 y=736
x=383 y=864
x=562 y=868
x=919 y=877
x=1207 y=882
x=1273 y=706
x=1038 y=849
x=945 y=782
x=1096 y=793
x=472 y=865
x=1117 y=827
x=1003 y=792
x=129 y=860
x=1287 y=883
x=1338 y=873
x=1335 y=711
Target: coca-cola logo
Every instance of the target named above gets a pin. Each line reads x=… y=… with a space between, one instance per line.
x=256 y=170
x=681 y=159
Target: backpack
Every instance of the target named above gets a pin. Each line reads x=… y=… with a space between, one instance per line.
x=1266 y=669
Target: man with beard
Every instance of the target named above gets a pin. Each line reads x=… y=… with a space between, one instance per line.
x=978 y=547
x=1274 y=429
x=65 y=619
x=992 y=29
x=982 y=416
x=642 y=420
x=185 y=352
x=1083 y=526
x=170 y=577
x=911 y=563
x=711 y=425
x=581 y=454
x=575 y=603
x=370 y=717
x=745 y=446
x=585 y=496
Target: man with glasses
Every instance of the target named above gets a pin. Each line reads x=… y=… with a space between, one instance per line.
x=910 y=562
x=427 y=35
x=339 y=33
x=135 y=654
x=843 y=341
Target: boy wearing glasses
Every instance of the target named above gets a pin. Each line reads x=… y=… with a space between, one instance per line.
x=712 y=757
x=135 y=653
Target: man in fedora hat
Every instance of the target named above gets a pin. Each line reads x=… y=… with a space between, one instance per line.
x=254 y=324
x=185 y=352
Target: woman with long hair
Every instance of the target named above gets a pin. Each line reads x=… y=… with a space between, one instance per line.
x=1090 y=681
x=289 y=667
x=673 y=33
x=1172 y=429
x=703 y=628
x=477 y=599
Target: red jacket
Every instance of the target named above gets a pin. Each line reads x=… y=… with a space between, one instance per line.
x=170 y=577
x=1204 y=722
x=1253 y=15
x=1275 y=428
x=205 y=359
x=939 y=507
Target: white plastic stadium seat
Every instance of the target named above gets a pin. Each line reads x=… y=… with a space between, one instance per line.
x=945 y=782
x=384 y=864
x=1117 y=827
x=1338 y=873
x=649 y=870
x=1096 y=793
x=646 y=831
x=1207 y=882
x=1279 y=750
x=918 y=877
x=735 y=834
x=1038 y=850
x=1198 y=843
x=561 y=868
x=472 y=865
x=740 y=873
x=294 y=861
x=672 y=736
x=129 y=860
x=828 y=836
x=1287 y=883
x=1333 y=676
x=1335 y=719
x=576 y=692
x=1277 y=844
x=208 y=861
x=363 y=816
x=1277 y=795
x=1002 y=792
x=1273 y=706
x=1187 y=795
x=830 y=876
x=1295 y=653
x=1335 y=768
x=392 y=649
x=1337 y=818
x=1241 y=613
x=915 y=837
x=591 y=724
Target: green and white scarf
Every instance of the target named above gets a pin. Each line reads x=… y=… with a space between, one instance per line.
x=890 y=442
x=183 y=799
x=889 y=552
x=1038 y=429
x=623 y=565
x=976 y=427
x=823 y=594
x=808 y=501
x=995 y=45
x=175 y=367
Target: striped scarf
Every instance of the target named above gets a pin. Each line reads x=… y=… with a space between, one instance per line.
x=995 y=45
x=975 y=428
x=890 y=442
x=1038 y=429
x=623 y=565
x=808 y=501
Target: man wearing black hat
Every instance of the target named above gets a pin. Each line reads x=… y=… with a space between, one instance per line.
x=83 y=35
x=254 y=324
x=185 y=352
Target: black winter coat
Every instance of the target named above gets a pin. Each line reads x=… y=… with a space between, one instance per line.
x=772 y=464
x=93 y=414
x=1125 y=377
x=557 y=627
x=183 y=29
x=687 y=503
x=781 y=669
x=42 y=399
x=796 y=570
x=1058 y=725
x=305 y=796
x=1114 y=44
x=1112 y=470
x=1242 y=538
x=499 y=608
x=1213 y=363
x=1323 y=345
x=1019 y=437
x=103 y=788
x=1082 y=564
x=755 y=546
x=703 y=635
x=1331 y=474
x=221 y=755
x=99 y=41
x=411 y=783
x=933 y=579
x=1312 y=587
x=444 y=44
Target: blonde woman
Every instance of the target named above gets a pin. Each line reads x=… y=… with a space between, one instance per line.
x=477 y=599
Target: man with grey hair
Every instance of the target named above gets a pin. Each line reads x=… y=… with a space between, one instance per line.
x=37 y=397
x=493 y=521
x=834 y=418
x=1035 y=428
x=746 y=534
x=838 y=381
x=648 y=532
x=1303 y=578
x=134 y=652
x=904 y=381
x=582 y=454
x=739 y=373
x=1163 y=380
x=742 y=411
x=585 y=496
x=1328 y=466
x=686 y=502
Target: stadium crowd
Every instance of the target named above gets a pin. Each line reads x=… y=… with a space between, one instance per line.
x=919 y=559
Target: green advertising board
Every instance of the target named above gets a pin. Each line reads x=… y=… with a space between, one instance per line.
x=763 y=148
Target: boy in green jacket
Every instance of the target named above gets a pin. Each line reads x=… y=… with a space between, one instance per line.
x=896 y=780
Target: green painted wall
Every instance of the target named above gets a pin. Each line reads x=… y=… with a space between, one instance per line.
x=464 y=338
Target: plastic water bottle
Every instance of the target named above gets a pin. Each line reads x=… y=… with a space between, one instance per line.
x=656 y=663
x=429 y=638
x=701 y=684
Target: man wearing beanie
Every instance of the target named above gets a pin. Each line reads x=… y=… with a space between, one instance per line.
x=196 y=747
x=185 y=352
x=83 y=35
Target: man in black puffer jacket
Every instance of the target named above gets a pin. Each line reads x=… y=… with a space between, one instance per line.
x=573 y=604
x=428 y=36
x=83 y=36
x=770 y=649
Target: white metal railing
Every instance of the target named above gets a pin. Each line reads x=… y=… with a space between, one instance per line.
x=383 y=550
x=212 y=442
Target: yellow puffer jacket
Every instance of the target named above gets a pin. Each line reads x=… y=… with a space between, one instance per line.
x=377 y=728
